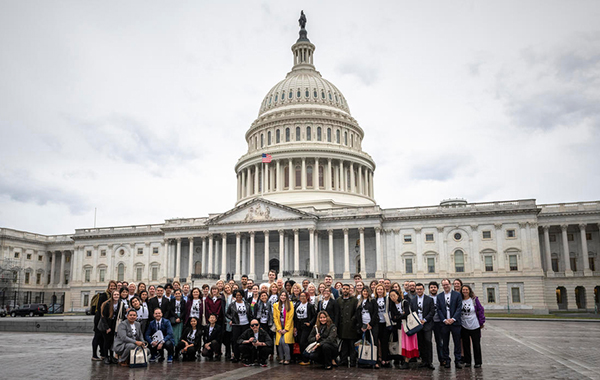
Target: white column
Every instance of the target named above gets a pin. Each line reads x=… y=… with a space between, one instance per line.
x=204 y=266
x=266 y=256
x=331 y=267
x=290 y=175
x=499 y=247
x=379 y=255
x=216 y=251
x=76 y=267
x=547 y=251
x=190 y=258
x=360 y=184
x=327 y=178
x=165 y=266
x=342 y=186
x=367 y=182
x=243 y=191
x=346 y=274
x=526 y=254
x=277 y=176
x=252 y=273
x=352 y=185
x=265 y=180
x=371 y=188
x=209 y=270
x=148 y=275
x=256 y=175
x=476 y=269
x=248 y=183
x=109 y=264
x=363 y=260
x=244 y=255
x=566 y=253
x=178 y=263
x=95 y=254
x=223 y=256
x=61 y=279
x=303 y=172
x=584 y=248
x=296 y=252
x=281 y=251
x=316 y=176
x=131 y=271
x=317 y=253
x=534 y=247
x=311 y=250
x=237 y=276
x=397 y=261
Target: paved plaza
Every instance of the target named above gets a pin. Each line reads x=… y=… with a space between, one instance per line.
x=511 y=350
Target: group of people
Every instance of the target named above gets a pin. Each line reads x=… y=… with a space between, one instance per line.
x=249 y=322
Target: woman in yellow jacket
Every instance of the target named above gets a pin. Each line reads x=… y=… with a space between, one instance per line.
x=283 y=318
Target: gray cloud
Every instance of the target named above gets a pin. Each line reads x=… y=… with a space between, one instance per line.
x=20 y=187
x=441 y=168
x=125 y=139
x=367 y=73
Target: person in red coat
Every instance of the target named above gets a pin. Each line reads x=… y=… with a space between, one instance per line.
x=214 y=304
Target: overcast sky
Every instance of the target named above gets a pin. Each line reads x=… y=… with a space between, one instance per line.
x=140 y=108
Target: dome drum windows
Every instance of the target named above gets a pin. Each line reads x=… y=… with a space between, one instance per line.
x=328 y=134
x=287 y=135
x=315 y=93
x=269 y=138
x=318 y=133
x=277 y=136
x=337 y=136
x=298 y=94
x=298 y=134
x=308 y=134
x=309 y=176
x=291 y=95
x=307 y=93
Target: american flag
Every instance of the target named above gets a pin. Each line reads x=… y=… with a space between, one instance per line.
x=266 y=158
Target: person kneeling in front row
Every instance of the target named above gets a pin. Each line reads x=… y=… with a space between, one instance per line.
x=325 y=334
x=129 y=336
x=255 y=345
x=211 y=338
x=160 y=336
x=190 y=340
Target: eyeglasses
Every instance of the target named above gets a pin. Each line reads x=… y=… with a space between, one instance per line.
x=253 y=324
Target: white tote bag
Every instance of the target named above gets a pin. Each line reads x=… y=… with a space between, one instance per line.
x=367 y=352
x=138 y=357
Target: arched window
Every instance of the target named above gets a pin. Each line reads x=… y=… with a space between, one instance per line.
x=255 y=142
x=282 y=95
x=298 y=93
x=270 y=98
x=315 y=93
x=330 y=96
x=308 y=133
x=269 y=138
x=262 y=140
x=347 y=179
x=336 y=98
x=318 y=133
x=321 y=181
x=286 y=179
x=322 y=94
x=277 y=136
x=309 y=176
x=352 y=140
x=297 y=133
x=346 y=138
x=298 y=183
x=459 y=261
x=328 y=134
x=307 y=94
x=291 y=94
x=287 y=134
x=120 y=272
x=337 y=136
x=276 y=96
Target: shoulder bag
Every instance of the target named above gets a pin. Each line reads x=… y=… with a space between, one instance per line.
x=138 y=357
x=413 y=324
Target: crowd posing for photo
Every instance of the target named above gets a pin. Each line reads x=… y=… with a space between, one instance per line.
x=334 y=325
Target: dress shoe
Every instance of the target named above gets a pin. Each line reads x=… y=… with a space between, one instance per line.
x=107 y=360
x=447 y=365
x=467 y=364
x=113 y=360
x=123 y=364
x=430 y=366
x=458 y=365
x=477 y=366
x=405 y=365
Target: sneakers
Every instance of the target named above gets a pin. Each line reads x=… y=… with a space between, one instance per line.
x=152 y=359
x=263 y=364
x=247 y=364
x=96 y=359
x=170 y=359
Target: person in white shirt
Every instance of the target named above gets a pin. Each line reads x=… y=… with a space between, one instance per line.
x=129 y=336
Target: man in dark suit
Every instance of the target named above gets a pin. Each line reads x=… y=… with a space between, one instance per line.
x=157 y=345
x=425 y=308
x=449 y=308
x=160 y=302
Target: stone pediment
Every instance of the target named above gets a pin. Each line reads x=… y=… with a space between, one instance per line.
x=260 y=210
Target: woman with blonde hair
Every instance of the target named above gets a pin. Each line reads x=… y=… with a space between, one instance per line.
x=273 y=293
x=381 y=301
x=283 y=318
x=296 y=290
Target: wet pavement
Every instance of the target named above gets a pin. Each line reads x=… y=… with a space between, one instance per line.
x=511 y=350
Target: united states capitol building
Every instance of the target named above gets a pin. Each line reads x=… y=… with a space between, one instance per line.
x=312 y=211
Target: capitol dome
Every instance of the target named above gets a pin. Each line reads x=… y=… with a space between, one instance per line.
x=305 y=148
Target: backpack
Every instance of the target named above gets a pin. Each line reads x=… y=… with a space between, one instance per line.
x=94 y=303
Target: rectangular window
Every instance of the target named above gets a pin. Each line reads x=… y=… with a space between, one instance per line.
x=489 y=264
x=588 y=236
x=491 y=295
x=155 y=274
x=88 y=253
x=570 y=237
x=49 y=278
x=86 y=299
x=486 y=235
x=407 y=238
x=155 y=251
x=40 y=258
x=408 y=265
x=16 y=255
x=66 y=279
x=592 y=264
x=140 y=251
x=88 y=273
x=431 y=265
x=38 y=278
x=27 y=274
x=516 y=295
x=552 y=238
x=103 y=252
x=138 y=274
x=555 y=264
x=573 y=263
x=102 y=274
x=429 y=237
x=459 y=263
x=511 y=234
x=512 y=262
x=29 y=256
